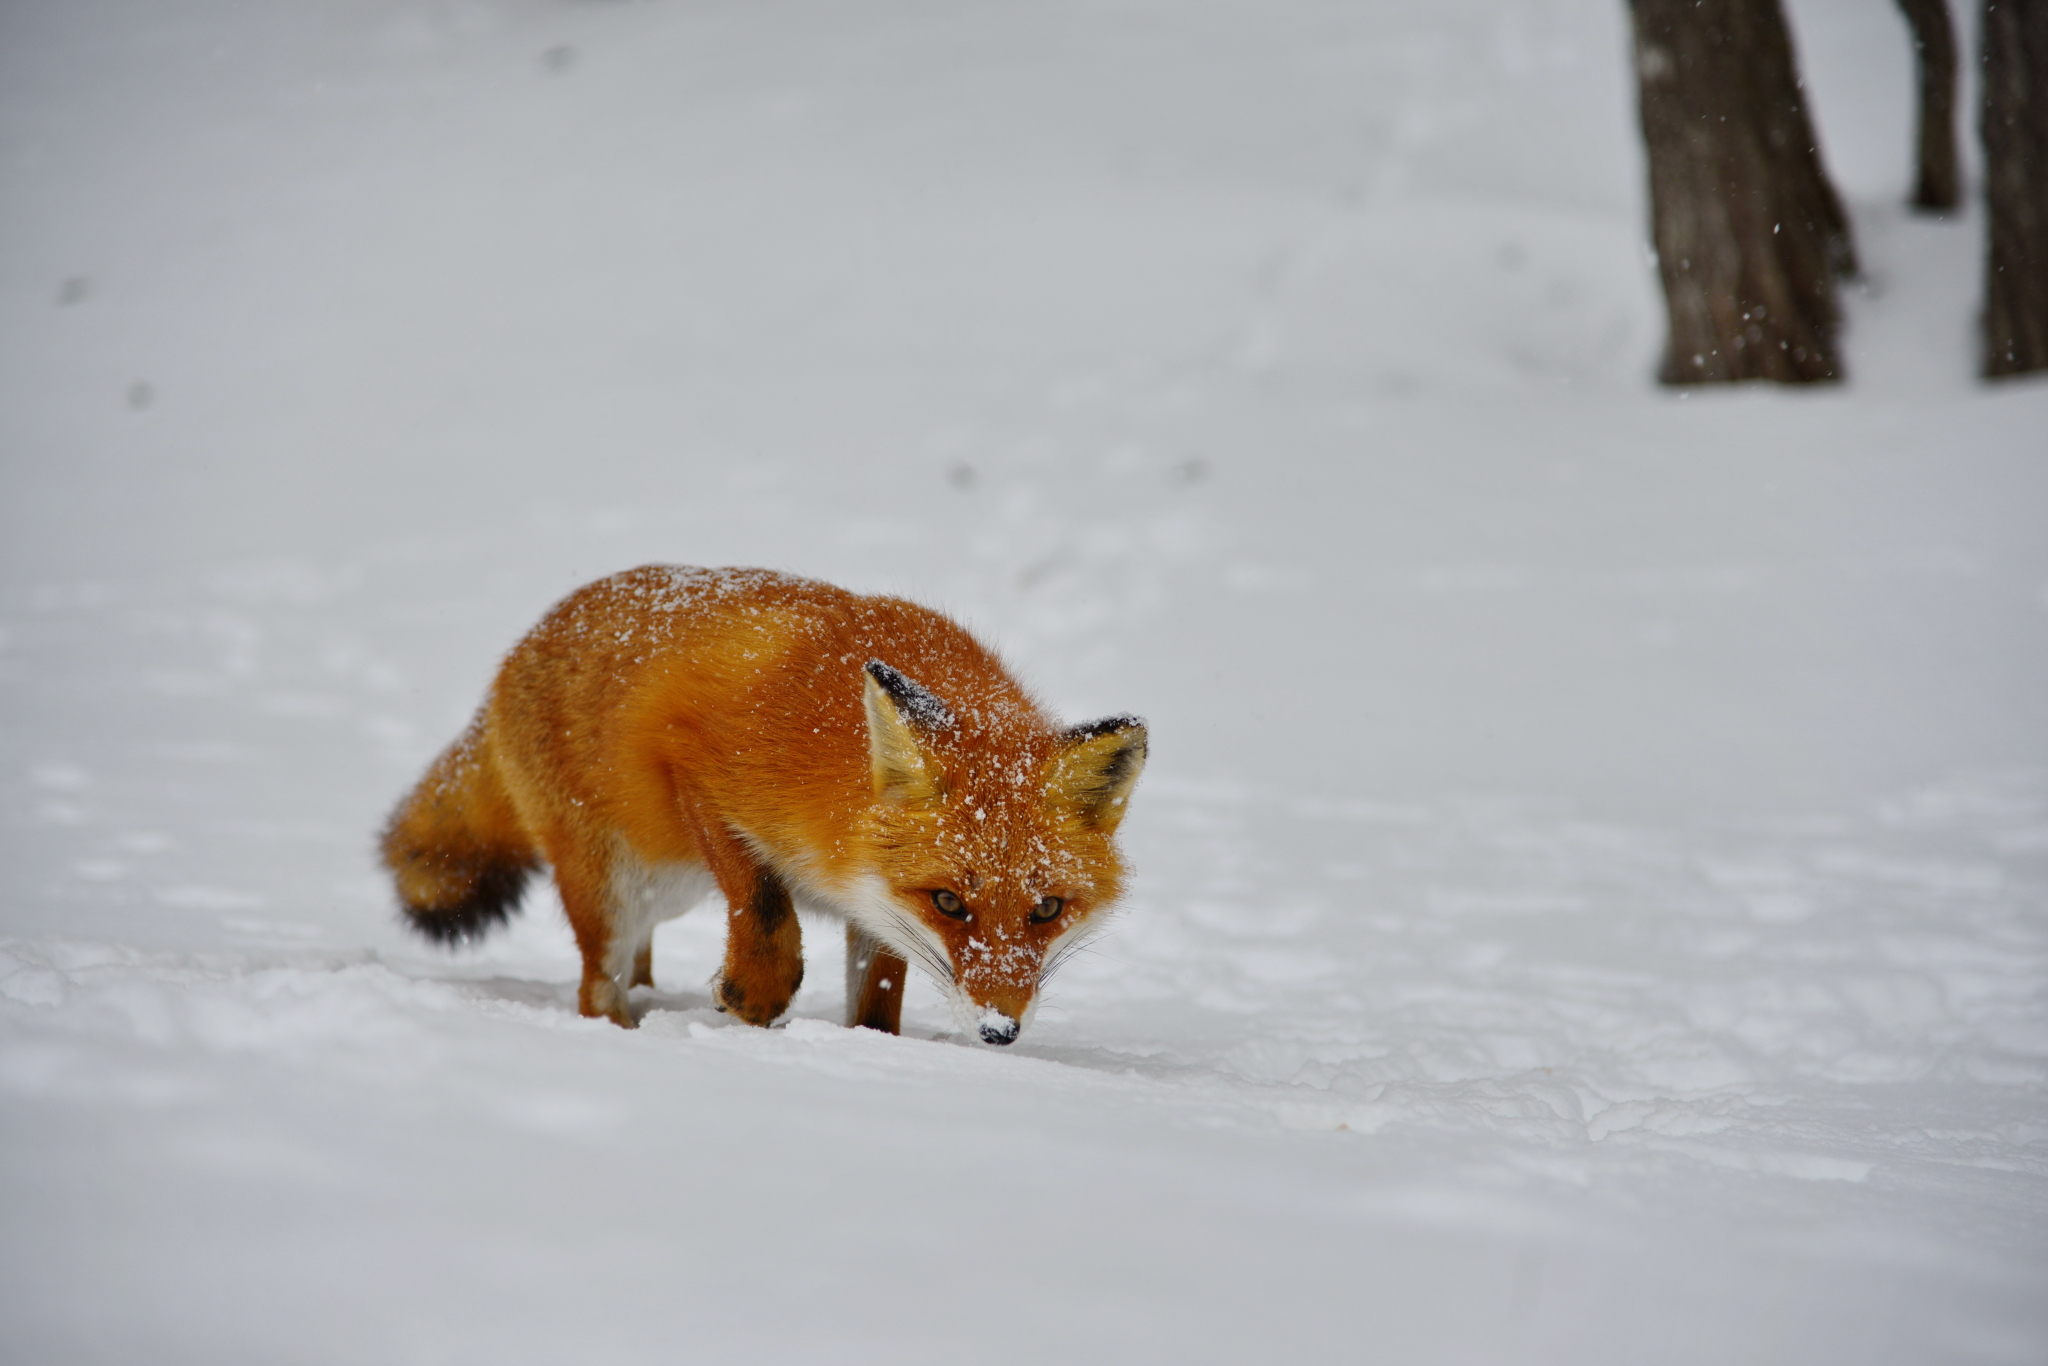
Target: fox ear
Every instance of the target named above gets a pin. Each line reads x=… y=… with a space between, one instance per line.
x=897 y=710
x=1094 y=773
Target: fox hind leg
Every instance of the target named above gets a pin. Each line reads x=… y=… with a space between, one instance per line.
x=643 y=895
x=605 y=944
x=637 y=897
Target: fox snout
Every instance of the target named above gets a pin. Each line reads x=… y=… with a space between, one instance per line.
x=995 y=1006
x=997 y=1028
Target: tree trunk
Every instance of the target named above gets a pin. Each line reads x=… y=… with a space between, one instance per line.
x=2015 y=129
x=1750 y=236
x=1934 y=40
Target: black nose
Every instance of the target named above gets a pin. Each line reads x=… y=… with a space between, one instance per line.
x=1000 y=1029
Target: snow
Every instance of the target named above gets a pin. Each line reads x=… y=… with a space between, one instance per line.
x=1592 y=873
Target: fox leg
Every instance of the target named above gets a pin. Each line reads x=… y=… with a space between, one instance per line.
x=643 y=966
x=874 y=983
x=764 y=950
x=764 y=945
x=586 y=897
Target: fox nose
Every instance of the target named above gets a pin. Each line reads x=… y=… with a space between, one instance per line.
x=998 y=1028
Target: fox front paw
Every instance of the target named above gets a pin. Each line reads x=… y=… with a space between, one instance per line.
x=754 y=1007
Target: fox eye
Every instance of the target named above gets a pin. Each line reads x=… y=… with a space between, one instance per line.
x=1048 y=909
x=949 y=904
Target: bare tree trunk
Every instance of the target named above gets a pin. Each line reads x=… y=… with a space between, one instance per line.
x=1750 y=236
x=1934 y=40
x=2015 y=129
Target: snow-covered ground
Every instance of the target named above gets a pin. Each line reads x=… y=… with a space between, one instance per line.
x=1592 y=896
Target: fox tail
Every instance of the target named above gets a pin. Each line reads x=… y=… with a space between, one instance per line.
x=455 y=847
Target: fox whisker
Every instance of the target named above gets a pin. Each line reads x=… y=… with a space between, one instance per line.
x=910 y=936
x=1064 y=953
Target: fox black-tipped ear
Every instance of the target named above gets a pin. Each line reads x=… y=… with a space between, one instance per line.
x=897 y=710
x=922 y=708
x=1095 y=772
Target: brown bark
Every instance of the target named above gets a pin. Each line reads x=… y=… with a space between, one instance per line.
x=1750 y=236
x=1934 y=42
x=2015 y=131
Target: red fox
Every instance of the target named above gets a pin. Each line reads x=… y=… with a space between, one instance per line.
x=669 y=729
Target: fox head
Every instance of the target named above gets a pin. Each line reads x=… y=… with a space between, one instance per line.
x=991 y=852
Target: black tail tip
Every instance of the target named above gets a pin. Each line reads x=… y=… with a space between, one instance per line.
x=489 y=905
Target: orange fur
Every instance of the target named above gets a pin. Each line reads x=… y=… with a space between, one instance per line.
x=798 y=743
